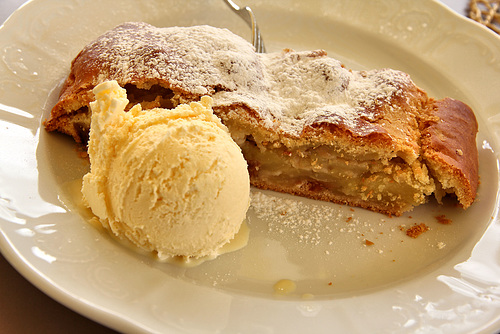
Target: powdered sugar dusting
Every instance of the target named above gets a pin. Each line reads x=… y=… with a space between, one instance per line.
x=288 y=90
x=302 y=88
x=312 y=223
x=196 y=59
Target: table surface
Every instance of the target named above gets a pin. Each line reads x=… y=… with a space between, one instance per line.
x=24 y=308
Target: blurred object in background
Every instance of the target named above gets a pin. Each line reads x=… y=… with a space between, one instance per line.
x=486 y=12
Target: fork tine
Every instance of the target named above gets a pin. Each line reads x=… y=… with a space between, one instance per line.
x=259 y=43
x=247 y=15
x=257 y=40
x=232 y=5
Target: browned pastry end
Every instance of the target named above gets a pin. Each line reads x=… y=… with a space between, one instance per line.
x=449 y=148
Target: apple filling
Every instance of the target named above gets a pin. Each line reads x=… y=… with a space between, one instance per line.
x=384 y=183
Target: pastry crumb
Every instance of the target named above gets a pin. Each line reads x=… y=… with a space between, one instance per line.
x=417 y=230
x=441 y=219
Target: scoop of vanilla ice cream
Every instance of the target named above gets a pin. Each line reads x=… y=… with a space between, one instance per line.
x=170 y=181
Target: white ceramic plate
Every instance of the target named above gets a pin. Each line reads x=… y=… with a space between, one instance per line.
x=447 y=280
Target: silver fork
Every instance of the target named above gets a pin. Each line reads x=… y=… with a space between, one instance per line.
x=246 y=14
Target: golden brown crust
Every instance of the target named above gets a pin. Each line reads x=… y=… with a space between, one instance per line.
x=449 y=148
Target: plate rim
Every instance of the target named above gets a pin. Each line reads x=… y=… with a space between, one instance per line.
x=80 y=305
